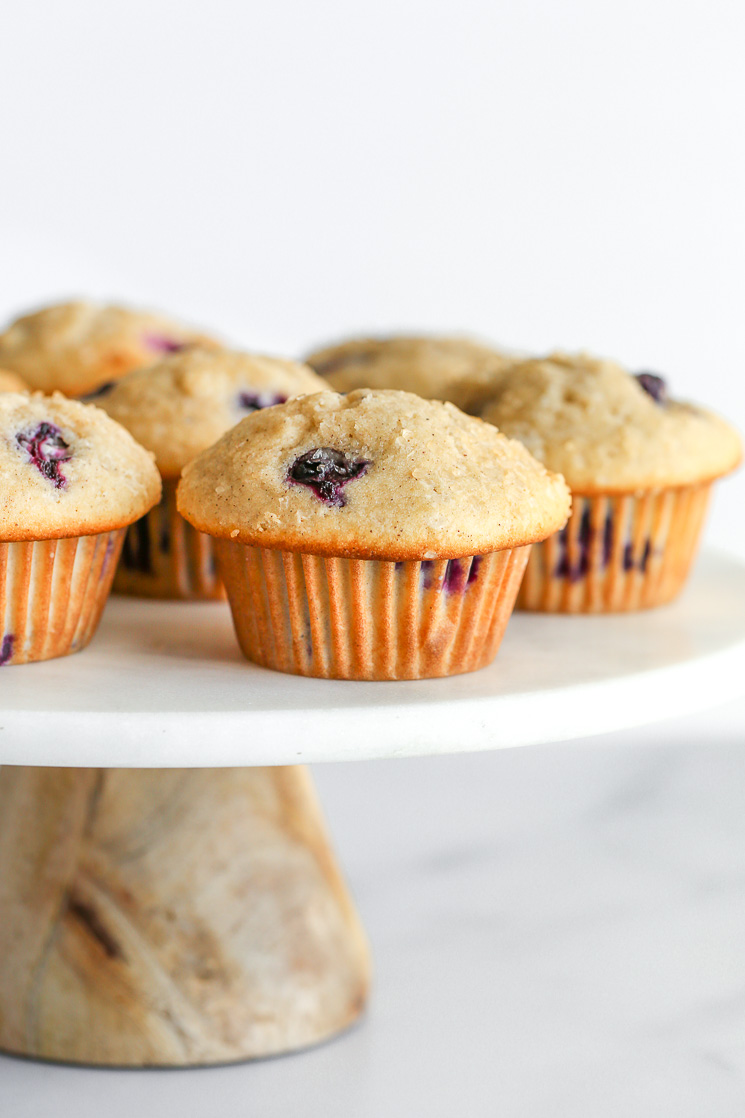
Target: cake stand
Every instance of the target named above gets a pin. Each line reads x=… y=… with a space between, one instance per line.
x=168 y=893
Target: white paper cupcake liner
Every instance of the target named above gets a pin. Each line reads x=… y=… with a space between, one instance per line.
x=369 y=619
x=617 y=553
x=52 y=594
x=164 y=557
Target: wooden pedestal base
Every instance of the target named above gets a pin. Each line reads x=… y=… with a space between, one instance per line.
x=171 y=917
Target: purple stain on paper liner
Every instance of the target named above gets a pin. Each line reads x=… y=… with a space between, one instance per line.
x=107 y=557
x=585 y=539
x=257 y=401
x=459 y=574
x=326 y=471
x=473 y=573
x=47 y=450
x=607 y=540
x=631 y=563
x=455 y=577
x=136 y=553
x=654 y=385
x=6 y=649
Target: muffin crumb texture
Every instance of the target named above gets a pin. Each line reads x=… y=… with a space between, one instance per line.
x=78 y=347
x=66 y=469
x=607 y=431
x=404 y=478
x=456 y=369
x=183 y=405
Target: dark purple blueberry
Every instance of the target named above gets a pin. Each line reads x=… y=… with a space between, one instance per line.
x=608 y=539
x=629 y=561
x=326 y=471
x=97 y=393
x=47 y=450
x=136 y=555
x=459 y=574
x=564 y=569
x=161 y=343
x=164 y=533
x=654 y=385
x=455 y=577
x=256 y=401
x=6 y=649
x=107 y=557
x=585 y=538
x=473 y=574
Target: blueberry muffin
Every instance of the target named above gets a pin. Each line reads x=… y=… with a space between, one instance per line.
x=640 y=466
x=370 y=536
x=71 y=480
x=456 y=369
x=75 y=348
x=177 y=409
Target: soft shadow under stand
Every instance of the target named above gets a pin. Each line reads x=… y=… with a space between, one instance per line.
x=154 y=911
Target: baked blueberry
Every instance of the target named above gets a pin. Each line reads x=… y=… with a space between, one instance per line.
x=161 y=343
x=6 y=649
x=136 y=552
x=326 y=471
x=255 y=401
x=585 y=540
x=47 y=450
x=654 y=385
x=630 y=563
x=456 y=580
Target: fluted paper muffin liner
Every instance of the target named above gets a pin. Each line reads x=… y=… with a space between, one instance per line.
x=52 y=594
x=164 y=557
x=618 y=553
x=369 y=619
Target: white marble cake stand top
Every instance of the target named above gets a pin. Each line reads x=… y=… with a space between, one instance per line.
x=164 y=685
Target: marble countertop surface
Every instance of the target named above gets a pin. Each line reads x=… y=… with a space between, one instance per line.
x=557 y=931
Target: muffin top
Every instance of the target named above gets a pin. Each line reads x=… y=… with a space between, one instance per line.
x=66 y=469
x=371 y=475
x=185 y=403
x=608 y=431
x=11 y=382
x=455 y=369
x=76 y=347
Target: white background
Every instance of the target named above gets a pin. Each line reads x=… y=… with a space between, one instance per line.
x=539 y=173
x=556 y=933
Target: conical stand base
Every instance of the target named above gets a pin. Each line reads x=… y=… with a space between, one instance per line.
x=171 y=917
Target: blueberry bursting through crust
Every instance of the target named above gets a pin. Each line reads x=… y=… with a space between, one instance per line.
x=47 y=450
x=654 y=386
x=326 y=471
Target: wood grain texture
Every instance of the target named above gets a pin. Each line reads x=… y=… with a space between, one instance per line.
x=171 y=917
